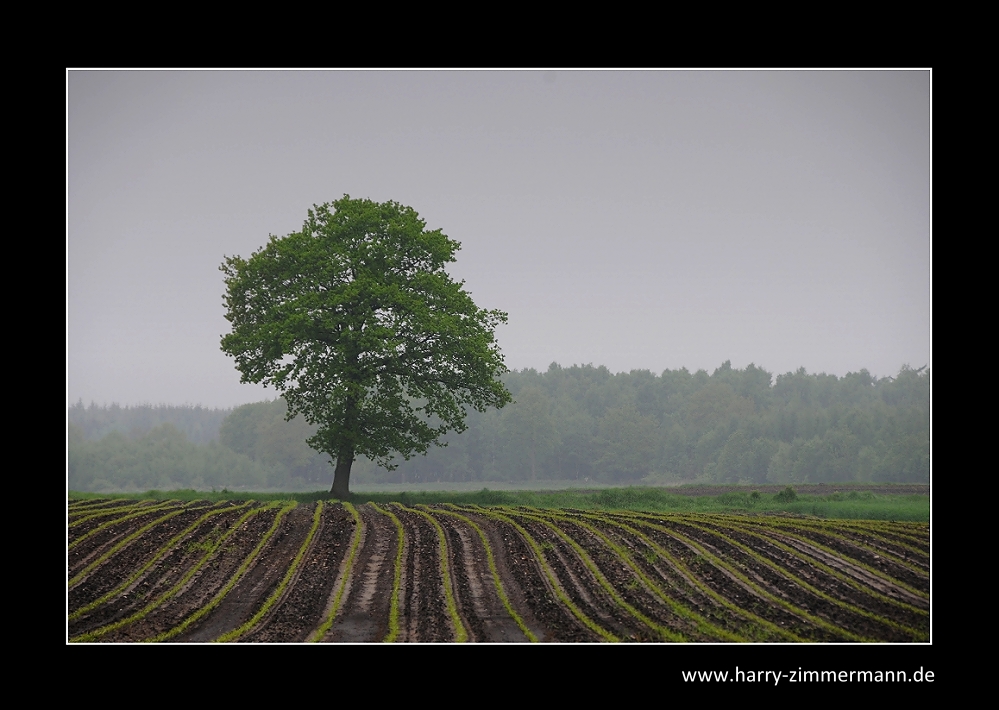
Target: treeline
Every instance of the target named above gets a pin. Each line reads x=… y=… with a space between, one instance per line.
x=576 y=423
x=247 y=448
x=585 y=423
x=199 y=425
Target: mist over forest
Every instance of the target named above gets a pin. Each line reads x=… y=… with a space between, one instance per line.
x=580 y=423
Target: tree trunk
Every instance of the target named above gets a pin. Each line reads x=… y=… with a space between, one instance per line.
x=341 y=476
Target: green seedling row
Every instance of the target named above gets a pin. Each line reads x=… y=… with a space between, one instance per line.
x=175 y=589
x=355 y=543
x=854 y=543
x=119 y=546
x=279 y=591
x=913 y=535
x=819 y=564
x=76 y=507
x=797 y=531
x=663 y=632
x=111 y=523
x=497 y=582
x=243 y=568
x=130 y=511
x=734 y=572
x=703 y=625
x=789 y=575
x=694 y=580
x=891 y=555
x=393 y=633
x=158 y=555
x=460 y=634
x=553 y=582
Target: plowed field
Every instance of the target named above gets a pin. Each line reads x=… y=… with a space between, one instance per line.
x=331 y=572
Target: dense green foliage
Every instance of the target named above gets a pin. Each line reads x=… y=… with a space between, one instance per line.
x=733 y=426
x=355 y=320
x=580 y=424
x=162 y=458
x=254 y=448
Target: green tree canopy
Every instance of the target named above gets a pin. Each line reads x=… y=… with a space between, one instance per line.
x=355 y=321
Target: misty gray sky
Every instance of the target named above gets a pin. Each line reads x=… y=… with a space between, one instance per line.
x=633 y=219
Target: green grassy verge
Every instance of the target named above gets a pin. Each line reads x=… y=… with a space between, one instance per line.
x=854 y=505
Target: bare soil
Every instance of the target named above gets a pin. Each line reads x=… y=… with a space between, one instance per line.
x=565 y=576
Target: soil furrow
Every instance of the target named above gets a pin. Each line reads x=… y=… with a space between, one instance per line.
x=424 y=605
x=278 y=573
x=199 y=590
x=364 y=616
x=304 y=603
x=256 y=581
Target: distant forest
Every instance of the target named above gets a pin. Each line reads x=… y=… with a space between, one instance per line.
x=579 y=423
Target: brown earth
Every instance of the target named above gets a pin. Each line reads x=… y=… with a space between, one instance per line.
x=564 y=576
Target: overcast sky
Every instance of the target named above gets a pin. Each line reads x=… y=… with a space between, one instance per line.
x=634 y=219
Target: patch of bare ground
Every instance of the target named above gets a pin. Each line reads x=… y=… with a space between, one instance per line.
x=199 y=591
x=93 y=543
x=367 y=600
x=483 y=612
x=257 y=582
x=305 y=602
x=567 y=576
x=117 y=568
x=424 y=607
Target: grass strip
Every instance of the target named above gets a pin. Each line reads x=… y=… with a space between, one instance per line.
x=276 y=594
x=175 y=589
x=243 y=568
x=118 y=547
x=393 y=633
x=497 y=582
x=460 y=634
x=554 y=584
x=163 y=551
x=355 y=543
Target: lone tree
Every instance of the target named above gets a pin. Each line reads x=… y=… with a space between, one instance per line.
x=358 y=325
